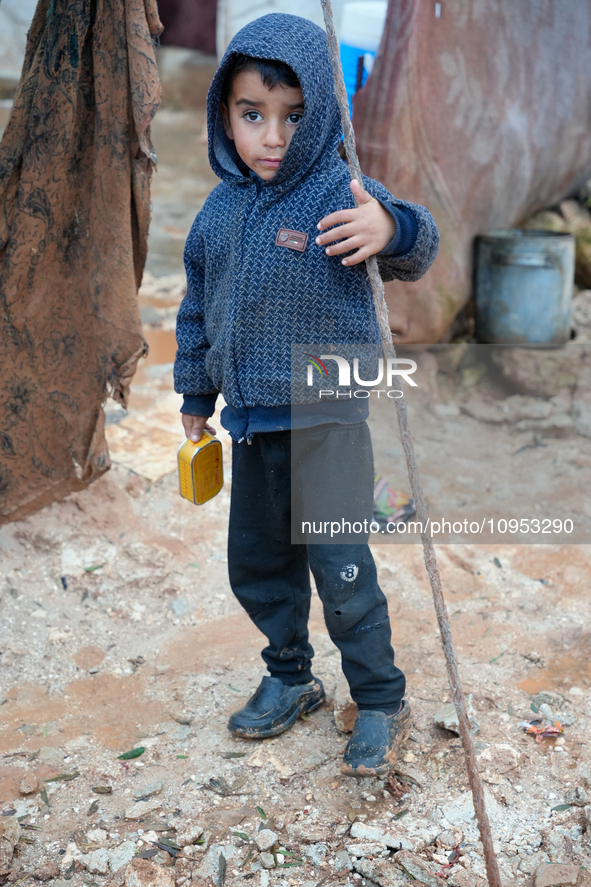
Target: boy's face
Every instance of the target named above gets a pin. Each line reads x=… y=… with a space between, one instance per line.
x=261 y=121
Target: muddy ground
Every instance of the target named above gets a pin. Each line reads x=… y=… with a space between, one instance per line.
x=119 y=631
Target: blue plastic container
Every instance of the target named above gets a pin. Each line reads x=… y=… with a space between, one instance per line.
x=360 y=32
x=524 y=287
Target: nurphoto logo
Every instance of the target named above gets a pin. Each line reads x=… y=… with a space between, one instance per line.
x=395 y=368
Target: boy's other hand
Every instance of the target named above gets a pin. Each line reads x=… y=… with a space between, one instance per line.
x=368 y=228
x=195 y=425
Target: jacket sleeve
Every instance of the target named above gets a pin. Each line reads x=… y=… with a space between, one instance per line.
x=406 y=231
x=416 y=260
x=190 y=376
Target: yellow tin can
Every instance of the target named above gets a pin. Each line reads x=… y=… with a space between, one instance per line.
x=201 y=473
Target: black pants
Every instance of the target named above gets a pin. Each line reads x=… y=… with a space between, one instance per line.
x=270 y=576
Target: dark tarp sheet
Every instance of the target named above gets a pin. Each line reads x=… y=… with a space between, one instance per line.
x=189 y=23
x=481 y=111
x=75 y=168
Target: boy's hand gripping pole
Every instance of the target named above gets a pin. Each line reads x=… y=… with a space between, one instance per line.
x=492 y=868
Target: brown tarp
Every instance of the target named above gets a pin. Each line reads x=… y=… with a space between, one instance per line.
x=481 y=111
x=75 y=168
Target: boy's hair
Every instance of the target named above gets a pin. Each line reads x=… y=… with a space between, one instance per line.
x=272 y=71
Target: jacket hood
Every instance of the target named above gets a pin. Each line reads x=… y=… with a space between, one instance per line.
x=304 y=47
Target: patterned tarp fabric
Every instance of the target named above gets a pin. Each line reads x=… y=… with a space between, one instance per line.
x=248 y=299
x=75 y=167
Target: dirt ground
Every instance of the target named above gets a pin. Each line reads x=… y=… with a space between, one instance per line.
x=119 y=632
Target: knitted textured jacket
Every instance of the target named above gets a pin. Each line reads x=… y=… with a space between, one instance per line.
x=249 y=299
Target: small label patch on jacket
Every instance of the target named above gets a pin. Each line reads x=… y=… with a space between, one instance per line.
x=291 y=239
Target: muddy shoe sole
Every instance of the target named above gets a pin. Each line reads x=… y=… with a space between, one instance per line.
x=275 y=708
x=376 y=741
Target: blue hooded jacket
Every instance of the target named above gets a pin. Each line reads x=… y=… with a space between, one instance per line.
x=249 y=299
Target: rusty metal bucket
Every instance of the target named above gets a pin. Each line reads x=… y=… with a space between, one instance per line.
x=524 y=286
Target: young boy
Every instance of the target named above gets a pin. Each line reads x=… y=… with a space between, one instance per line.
x=262 y=277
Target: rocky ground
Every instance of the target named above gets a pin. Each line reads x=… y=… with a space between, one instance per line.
x=149 y=650
x=120 y=633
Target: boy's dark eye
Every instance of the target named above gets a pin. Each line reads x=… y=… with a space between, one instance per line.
x=295 y=118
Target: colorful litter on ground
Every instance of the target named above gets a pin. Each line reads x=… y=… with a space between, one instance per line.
x=543 y=731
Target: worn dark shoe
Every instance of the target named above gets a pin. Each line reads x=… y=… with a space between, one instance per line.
x=275 y=708
x=375 y=742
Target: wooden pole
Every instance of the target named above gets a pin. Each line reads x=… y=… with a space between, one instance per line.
x=492 y=868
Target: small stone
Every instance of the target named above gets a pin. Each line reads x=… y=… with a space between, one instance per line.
x=447 y=717
x=530 y=863
x=150 y=836
x=342 y=861
x=66 y=861
x=145 y=873
x=180 y=733
x=582 y=417
x=266 y=839
x=546 y=711
x=96 y=836
x=267 y=860
x=10 y=832
x=181 y=607
x=556 y=875
x=141 y=809
x=46 y=872
x=48 y=753
x=418 y=869
x=461 y=810
x=441 y=858
x=316 y=853
x=549 y=697
x=121 y=855
x=29 y=784
x=97 y=862
x=25 y=807
x=152 y=788
x=484 y=412
x=366 y=850
x=306 y=833
x=577 y=796
x=459 y=877
x=212 y=866
x=191 y=833
x=380 y=872
x=448 y=839
x=395 y=842
x=538 y=372
x=192 y=851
